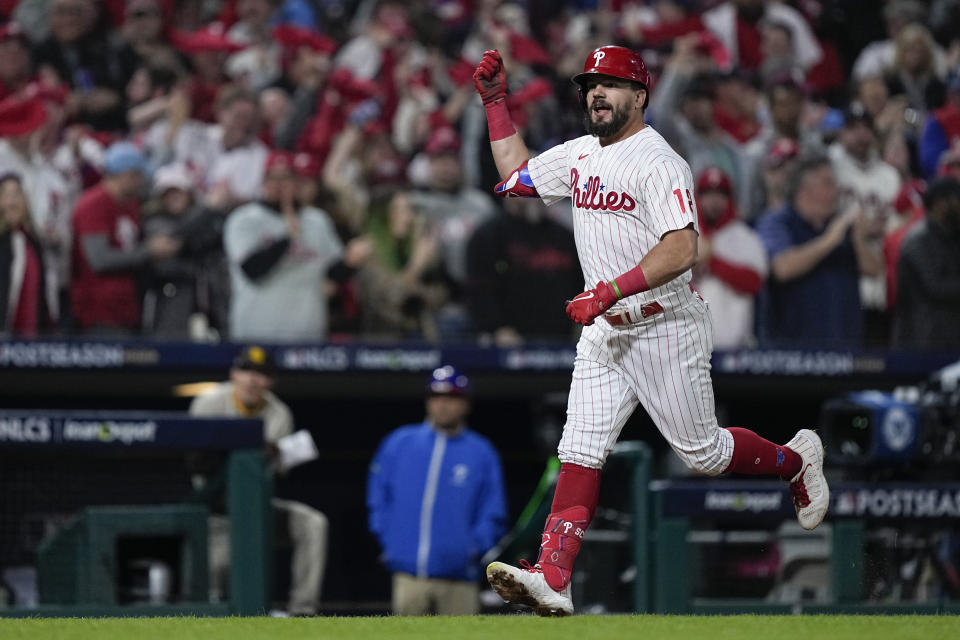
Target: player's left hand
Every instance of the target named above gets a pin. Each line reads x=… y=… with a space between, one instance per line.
x=489 y=78
x=585 y=308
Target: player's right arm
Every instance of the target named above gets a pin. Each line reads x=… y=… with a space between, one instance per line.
x=490 y=80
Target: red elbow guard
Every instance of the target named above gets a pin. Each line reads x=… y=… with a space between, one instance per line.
x=517 y=185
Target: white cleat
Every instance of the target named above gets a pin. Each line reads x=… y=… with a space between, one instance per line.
x=518 y=585
x=811 y=495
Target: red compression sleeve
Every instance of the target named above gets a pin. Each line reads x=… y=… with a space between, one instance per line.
x=498 y=121
x=577 y=486
x=629 y=283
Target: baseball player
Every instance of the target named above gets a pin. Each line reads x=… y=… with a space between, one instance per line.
x=647 y=337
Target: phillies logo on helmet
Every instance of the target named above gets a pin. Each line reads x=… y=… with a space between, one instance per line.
x=617 y=62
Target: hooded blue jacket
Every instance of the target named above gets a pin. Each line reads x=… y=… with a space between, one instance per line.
x=436 y=502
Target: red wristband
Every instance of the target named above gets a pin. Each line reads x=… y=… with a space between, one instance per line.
x=498 y=120
x=631 y=282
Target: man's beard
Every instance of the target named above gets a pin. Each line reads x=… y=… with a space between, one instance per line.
x=619 y=119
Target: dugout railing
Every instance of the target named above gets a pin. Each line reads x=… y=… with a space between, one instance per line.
x=85 y=496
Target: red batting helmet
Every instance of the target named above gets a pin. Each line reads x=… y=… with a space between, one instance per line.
x=618 y=62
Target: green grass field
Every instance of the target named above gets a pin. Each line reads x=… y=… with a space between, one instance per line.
x=496 y=627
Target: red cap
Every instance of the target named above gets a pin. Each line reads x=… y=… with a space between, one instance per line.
x=306 y=165
x=20 y=117
x=278 y=160
x=212 y=37
x=442 y=140
x=296 y=37
x=714 y=179
x=781 y=151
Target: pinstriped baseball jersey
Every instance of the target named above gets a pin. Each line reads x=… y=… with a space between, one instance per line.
x=626 y=196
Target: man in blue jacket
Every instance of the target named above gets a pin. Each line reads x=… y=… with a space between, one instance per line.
x=436 y=501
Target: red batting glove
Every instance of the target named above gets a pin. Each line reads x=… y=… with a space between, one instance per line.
x=489 y=78
x=585 y=308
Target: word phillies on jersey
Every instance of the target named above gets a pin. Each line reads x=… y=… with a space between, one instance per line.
x=594 y=195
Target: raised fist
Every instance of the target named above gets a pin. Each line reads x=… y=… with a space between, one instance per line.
x=489 y=78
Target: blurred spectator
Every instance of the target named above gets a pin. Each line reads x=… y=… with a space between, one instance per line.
x=813 y=296
x=436 y=503
x=186 y=293
x=877 y=58
x=731 y=262
x=274 y=112
x=942 y=128
x=455 y=209
x=25 y=309
x=226 y=159
x=401 y=287
x=521 y=259
x=143 y=39
x=786 y=102
x=909 y=207
x=207 y=50
x=280 y=253
x=891 y=117
x=362 y=159
x=683 y=111
x=249 y=394
x=865 y=179
x=913 y=73
x=16 y=69
x=366 y=54
x=236 y=157
x=258 y=64
x=107 y=252
x=149 y=93
x=777 y=51
x=736 y=105
x=307 y=64
x=738 y=23
x=928 y=304
x=776 y=167
x=29 y=133
x=78 y=54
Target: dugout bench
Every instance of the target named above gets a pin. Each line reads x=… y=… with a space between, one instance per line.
x=80 y=564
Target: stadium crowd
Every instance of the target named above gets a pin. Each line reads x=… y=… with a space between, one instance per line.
x=305 y=170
